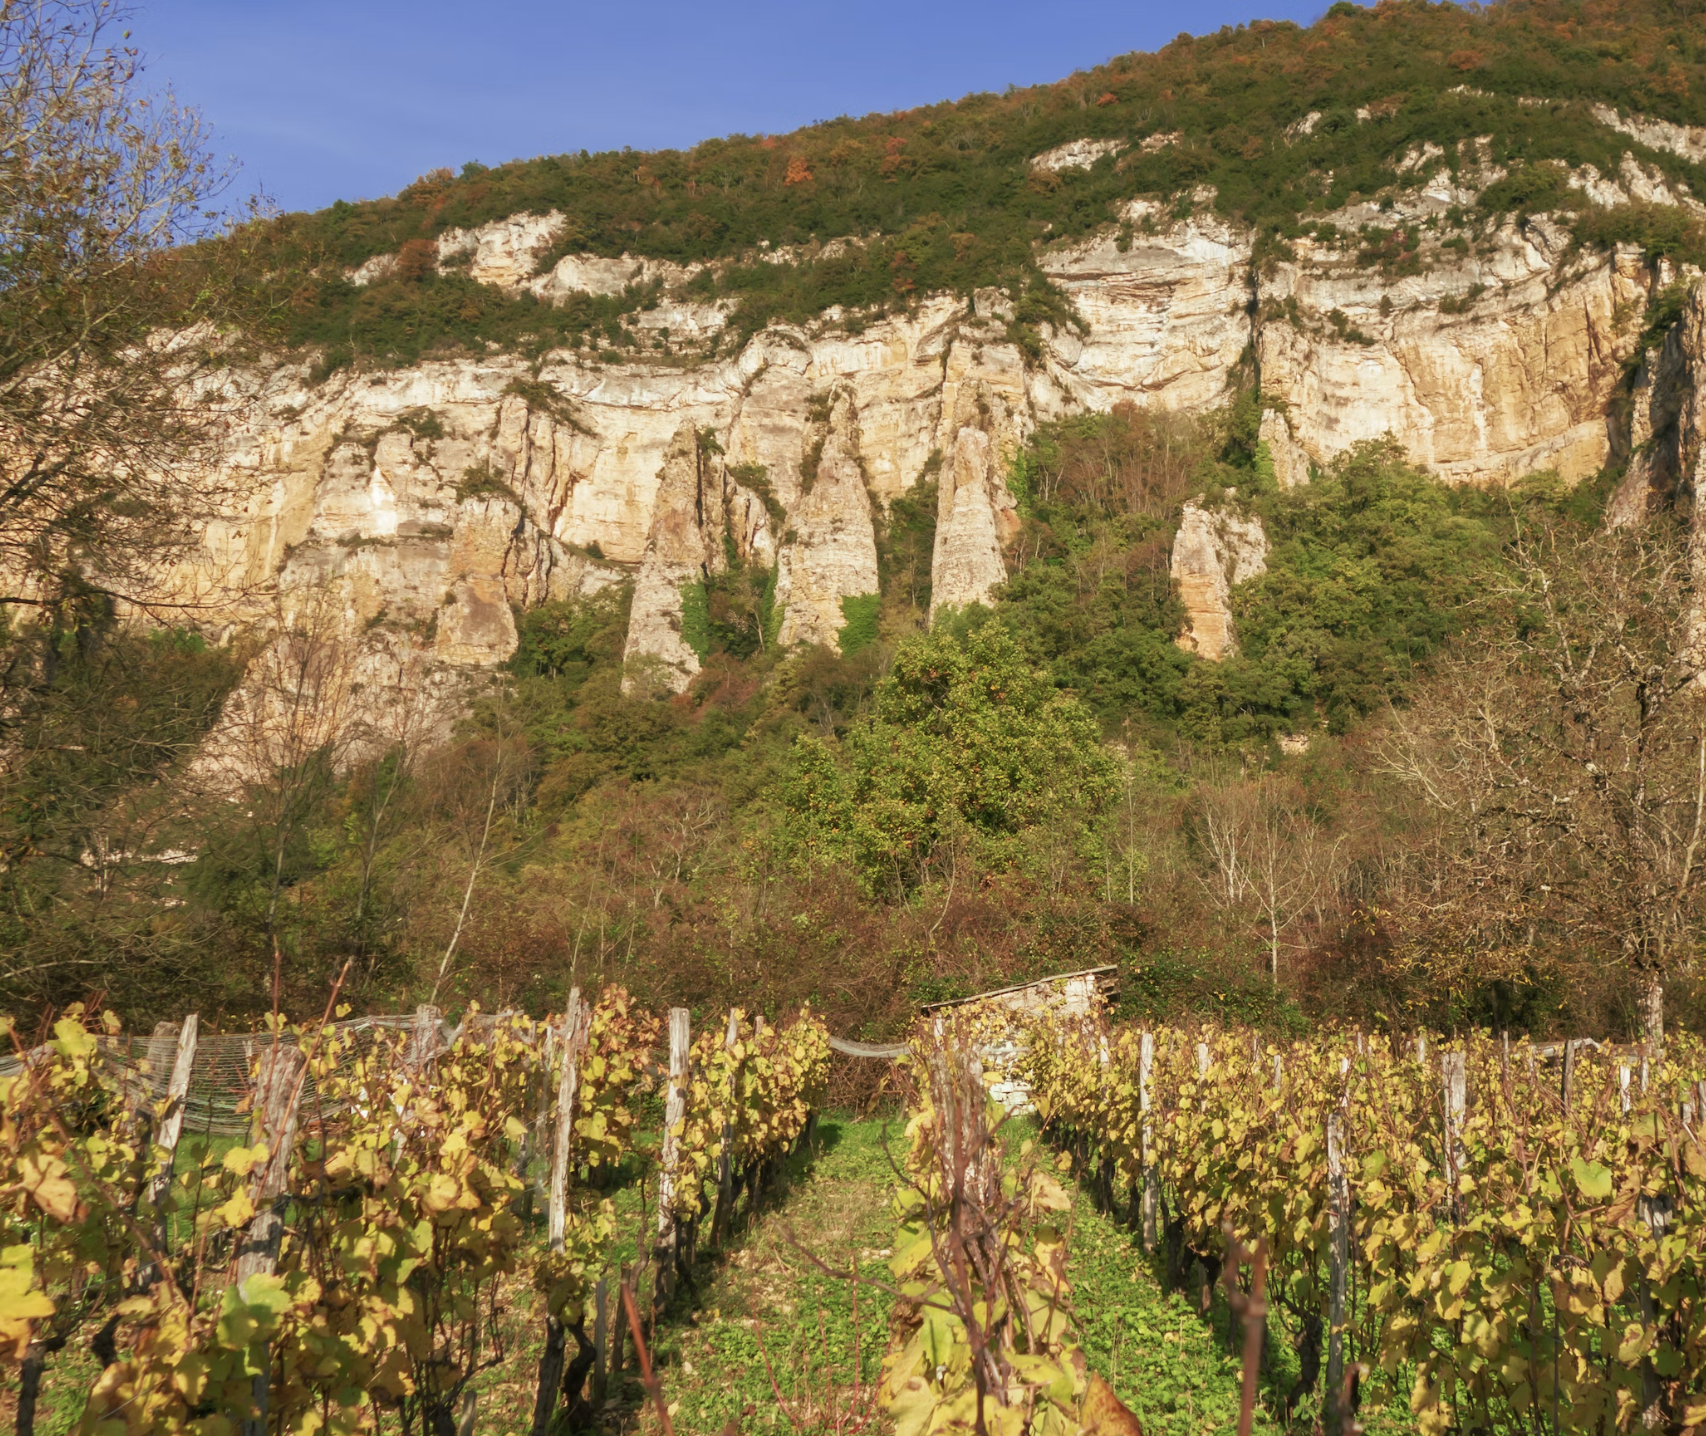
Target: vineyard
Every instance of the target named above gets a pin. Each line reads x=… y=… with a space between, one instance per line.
x=1505 y=1238
x=338 y=1266
x=355 y=1225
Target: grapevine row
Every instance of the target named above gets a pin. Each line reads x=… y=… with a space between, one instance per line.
x=1525 y=1241
x=339 y=1271
x=983 y=1338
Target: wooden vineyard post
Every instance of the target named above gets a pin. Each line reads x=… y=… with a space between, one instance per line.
x=1338 y=1260
x=423 y=1037
x=726 y=1162
x=1568 y=1091
x=166 y=1137
x=757 y=1171
x=1279 y=1072
x=967 y=1163
x=557 y=1216
x=172 y=1119
x=278 y=1087
x=618 y=1332
x=1655 y=1214
x=421 y=1048
x=568 y=1082
x=1454 y=1073
x=1623 y=1088
x=1151 y=1178
x=600 y=1342
x=674 y=1112
x=151 y=1085
x=1422 y=1050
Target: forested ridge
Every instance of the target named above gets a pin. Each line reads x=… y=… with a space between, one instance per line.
x=944 y=197
x=1374 y=810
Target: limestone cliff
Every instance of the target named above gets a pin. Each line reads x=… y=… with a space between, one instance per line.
x=1486 y=366
x=1667 y=422
x=420 y=507
x=682 y=551
x=830 y=550
x=976 y=518
x=1668 y=442
x=1213 y=552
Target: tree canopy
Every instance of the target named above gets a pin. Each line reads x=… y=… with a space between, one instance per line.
x=965 y=740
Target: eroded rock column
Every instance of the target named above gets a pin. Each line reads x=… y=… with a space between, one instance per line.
x=975 y=517
x=1212 y=552
x=830 y=549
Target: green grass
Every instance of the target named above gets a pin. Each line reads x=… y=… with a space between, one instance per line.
x=833 y=1197
x=1172 y=1365
x=1168 y=1364
x=766 y=1294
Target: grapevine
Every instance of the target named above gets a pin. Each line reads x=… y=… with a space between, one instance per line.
x=401 y=1203
x=1512 y=1259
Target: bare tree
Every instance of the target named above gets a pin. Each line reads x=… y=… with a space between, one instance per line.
x=486 y=781
x=1565 y=747
x=398 y=724
x=107 y=408
x=1269 y=857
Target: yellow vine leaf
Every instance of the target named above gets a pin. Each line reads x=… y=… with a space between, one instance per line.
x=17 y=1301
x=242 y=1160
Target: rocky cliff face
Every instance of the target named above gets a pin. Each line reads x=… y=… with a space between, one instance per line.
x=1213 y=552
x=1485 y=366
x=425 y=504
x=1667 y=422
x=1667 y=434
x=976 y=518
x=830 y=550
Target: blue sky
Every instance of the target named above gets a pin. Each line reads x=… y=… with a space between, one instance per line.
x=323 y=101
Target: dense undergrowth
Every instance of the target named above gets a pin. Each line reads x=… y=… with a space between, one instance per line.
x=943 y=198
x=1038 y=787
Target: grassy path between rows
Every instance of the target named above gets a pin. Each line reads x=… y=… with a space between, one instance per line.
x=1163 y=1360
x=1171 y=1365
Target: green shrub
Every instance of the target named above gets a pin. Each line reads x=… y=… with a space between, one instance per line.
x=965 y=739
x=1663 y=231
x=482 y=481
x=696 y=619
x=859 y=622
x=565 y=639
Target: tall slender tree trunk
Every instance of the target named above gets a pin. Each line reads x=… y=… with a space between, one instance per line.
x=1652 y=1013
x=473 y=874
